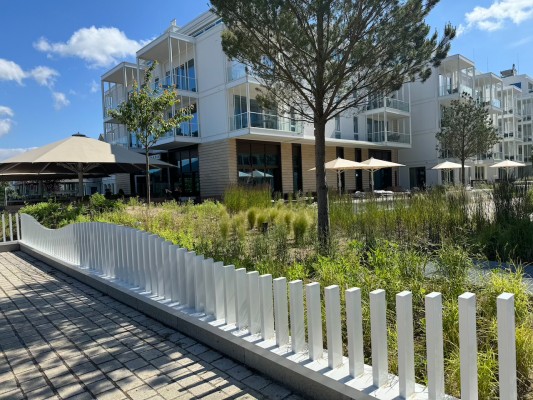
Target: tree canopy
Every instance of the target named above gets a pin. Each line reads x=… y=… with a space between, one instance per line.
x=320 y=58
x=146 y=112
x=466 y=131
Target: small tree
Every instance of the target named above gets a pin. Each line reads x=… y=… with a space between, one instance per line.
x=320 y=58
x=145 y=113
x=466 y=131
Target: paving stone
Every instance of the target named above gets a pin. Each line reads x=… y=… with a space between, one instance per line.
x=257 y=382
x=275 y=391
x=239 y=372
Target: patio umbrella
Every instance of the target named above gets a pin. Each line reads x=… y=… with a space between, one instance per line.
x=507 y=165
x=340 y=165
x=77 y=155
x=374 y=164
x=447 y=166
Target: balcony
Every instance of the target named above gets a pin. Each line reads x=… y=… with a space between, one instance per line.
x=389 y=137
x=447 y=90
x=388 y=102
x=496 y=103
x=265 y=121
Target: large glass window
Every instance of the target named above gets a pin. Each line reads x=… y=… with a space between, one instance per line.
x=185 y=76
x=185 y=179
x=259 y=163
x=189 y=128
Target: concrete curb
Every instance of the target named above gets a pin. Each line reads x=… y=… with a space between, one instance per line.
x=311 y=383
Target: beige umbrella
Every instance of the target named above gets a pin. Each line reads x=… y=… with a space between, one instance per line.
x=447 y=166
x=340 y=165
x=374 y=164
x=76 y=155
x=507 y=165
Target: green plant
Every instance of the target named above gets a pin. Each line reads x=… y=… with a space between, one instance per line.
x=300 y=227
x=251 y=215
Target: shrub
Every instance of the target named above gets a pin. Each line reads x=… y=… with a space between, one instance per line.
x=241 y=198
x=300 y=227
x=251 y=215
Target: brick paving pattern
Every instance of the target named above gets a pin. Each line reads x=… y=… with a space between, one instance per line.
x=61 y=339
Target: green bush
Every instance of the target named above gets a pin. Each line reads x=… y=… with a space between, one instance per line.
x=53 y=214
x=300 y=226
x=241 y=198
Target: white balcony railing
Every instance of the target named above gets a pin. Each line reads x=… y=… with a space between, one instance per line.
x=389 y=137
x=446 y=90
x=388 y=102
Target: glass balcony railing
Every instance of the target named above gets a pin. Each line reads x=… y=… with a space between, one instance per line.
x=494 y=102
x=389 y=137
x=388 y=102
x=265 y=121
x=446 y=90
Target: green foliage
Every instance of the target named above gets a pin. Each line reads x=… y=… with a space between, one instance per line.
x=240 y=198
x=52 y=214
x=300 y=227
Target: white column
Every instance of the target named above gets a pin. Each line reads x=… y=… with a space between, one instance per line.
x=173 y=272
x=199 y=284
x=254 y=322
x=3 y=227
x=406 y=350
x=434 y=344
x=314 y=321
x=189 y=277
x=333 y=325
x=468 y=346
x=267 y=307
x=166 y=248
x=209 y=286
x=182 y=277
x=297 y=316
x=281 y=311
x=10 y=227
x=17 y=216
x=506 y=346
x=378 y=321
x=354 y=326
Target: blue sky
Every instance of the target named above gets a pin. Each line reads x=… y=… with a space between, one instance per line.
x=52 y=54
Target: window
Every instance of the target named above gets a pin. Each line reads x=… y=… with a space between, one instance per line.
x=355 y=125
x=259 y=163
x=185 y=76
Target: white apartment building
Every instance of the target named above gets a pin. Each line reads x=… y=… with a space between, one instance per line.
x=508 y=98
x=233 y=139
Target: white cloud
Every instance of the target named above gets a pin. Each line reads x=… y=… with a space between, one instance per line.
x=493 y=18
x=6 y=123
x=521 y=42
x=95 y=87
x=6 y=111
x=99 y=47
x=44 y=76
x=10 y=71
x=8 y=153
x=60 y=100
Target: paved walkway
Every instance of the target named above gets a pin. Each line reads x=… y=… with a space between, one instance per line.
x=61 y=339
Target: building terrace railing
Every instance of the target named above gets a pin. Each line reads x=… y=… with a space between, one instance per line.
x=245 y=309
x=265 y=121
x=388 y=102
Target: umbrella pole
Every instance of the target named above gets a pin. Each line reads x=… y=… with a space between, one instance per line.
x=80 y=184
x=339 y=182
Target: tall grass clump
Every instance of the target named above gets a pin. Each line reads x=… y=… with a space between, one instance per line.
x=300 y=227
x=240 y=198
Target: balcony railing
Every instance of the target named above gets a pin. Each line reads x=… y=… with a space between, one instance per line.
x=389 y=137
x=265 y=121
x=446 y=90
x=388 y=102
x=496 y=103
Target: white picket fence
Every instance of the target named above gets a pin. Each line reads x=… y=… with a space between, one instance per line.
x=10 y=227
x=260 y=305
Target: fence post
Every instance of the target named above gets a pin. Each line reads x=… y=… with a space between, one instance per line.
x=297 y=316
x=506 y=346
x=182 y=277
x=173 y=264
x=314 y=320
x=434 y=343
x=254 y=322
x=209 y=286
x=406 y=350
x=199 y=284
x=148 y=282
x=167 y=281
x=229 y=294
x=10 y=228
x=267 y=307
x=281 y=311
x=378 y=329
x=241 y=298
x=189 y=277
x=468 y=346
x=17 y=216
x=220 y=290
x=354 y=326
x=333 y=325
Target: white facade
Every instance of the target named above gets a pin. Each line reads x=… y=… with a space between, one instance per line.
x=503 y=98
x=223 y=97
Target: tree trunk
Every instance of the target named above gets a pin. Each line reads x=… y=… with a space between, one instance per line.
x=321 y=187
x=463 y=181
x=147 y=178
